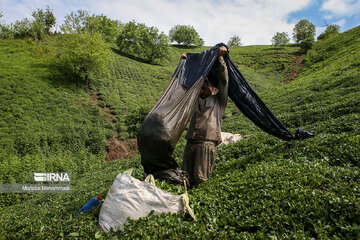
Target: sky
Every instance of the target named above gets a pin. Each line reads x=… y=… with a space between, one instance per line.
x=254 y=21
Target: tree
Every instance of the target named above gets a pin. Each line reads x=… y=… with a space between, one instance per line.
x=49 y=20
x=156 y=46
x=84 y=54
x=5 y=30
x=302 y=30
x=23 y=28
x=234 y=41
x=43 y=22
x=75 y=22
x=110 y=29
x=143 y=42
x=36 y=28
x=280 y=39
x=184 y=34
x=201 y=42
x=81 y=22
x=331 y=30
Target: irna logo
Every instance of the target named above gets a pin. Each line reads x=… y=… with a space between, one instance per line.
x=52 y=177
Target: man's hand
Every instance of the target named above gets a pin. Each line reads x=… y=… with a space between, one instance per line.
x=183 y=56
x=222 y=51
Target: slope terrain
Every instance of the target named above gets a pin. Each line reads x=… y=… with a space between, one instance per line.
x=261 y=187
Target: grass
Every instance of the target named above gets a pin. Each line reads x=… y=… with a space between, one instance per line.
x=261 y=188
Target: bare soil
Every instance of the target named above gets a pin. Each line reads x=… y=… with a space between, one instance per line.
x=117 y=149
x=121 y=149
x=297 y=68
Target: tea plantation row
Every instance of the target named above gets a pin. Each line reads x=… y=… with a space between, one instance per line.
x=261 y=187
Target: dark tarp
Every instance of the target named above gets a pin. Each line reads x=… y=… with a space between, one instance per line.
x=164 y=125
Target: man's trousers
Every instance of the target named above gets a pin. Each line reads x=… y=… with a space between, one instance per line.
x=198 y=160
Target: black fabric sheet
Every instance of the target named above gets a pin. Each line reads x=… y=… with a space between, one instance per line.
x=162 y=128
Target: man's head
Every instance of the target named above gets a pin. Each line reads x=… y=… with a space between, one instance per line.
x=207 y=89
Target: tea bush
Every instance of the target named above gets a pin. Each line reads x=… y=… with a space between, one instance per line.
x=261 y=187
x=47 y=122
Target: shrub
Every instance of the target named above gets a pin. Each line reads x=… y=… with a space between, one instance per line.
x=84 y=54
x=307 y=44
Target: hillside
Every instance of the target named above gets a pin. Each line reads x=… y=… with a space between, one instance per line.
x=261 y=187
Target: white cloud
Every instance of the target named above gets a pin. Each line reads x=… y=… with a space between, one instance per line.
x=339 y=8
x=16 y=10
x=254 y=21
x=215 y=20
x=341 y=22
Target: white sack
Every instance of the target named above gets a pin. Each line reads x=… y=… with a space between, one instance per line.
x=229 y=138
x=130 y=197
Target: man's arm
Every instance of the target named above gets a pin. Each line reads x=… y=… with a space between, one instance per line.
x=223 y=77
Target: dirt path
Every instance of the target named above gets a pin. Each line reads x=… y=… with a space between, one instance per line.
x=121 y=149
x=296 y=70
x=117 y=149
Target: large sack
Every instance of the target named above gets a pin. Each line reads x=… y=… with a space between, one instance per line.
x=130 y=197
x=174 y=176
x=162 y=128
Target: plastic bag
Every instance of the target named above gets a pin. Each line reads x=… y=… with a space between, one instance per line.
x=130 y=197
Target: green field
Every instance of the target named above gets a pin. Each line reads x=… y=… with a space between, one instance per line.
x=261 y=188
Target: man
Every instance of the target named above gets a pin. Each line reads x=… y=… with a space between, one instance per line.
x=204 y=132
